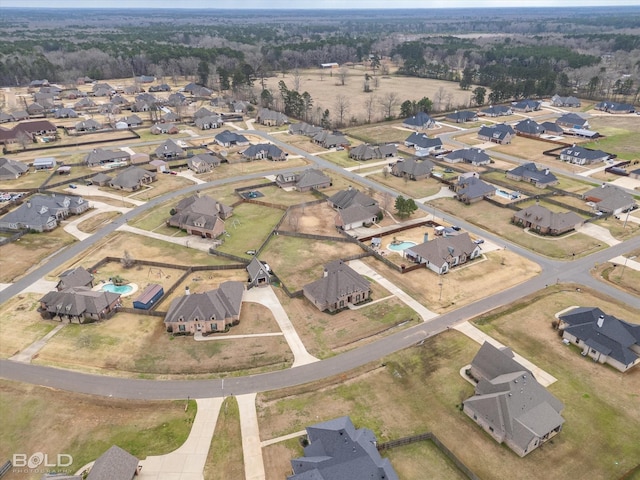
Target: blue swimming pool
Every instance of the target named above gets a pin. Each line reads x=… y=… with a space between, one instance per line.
x=510 y=196
x=121 y=289
x=398 y=247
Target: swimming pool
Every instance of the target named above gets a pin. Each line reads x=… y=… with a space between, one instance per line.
x=398 y=247
x=510 y=196
x=121 y=289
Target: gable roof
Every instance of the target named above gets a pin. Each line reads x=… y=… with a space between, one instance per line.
x=76 y=301
x=420 y=140
x=529 y=127
x=573 y=120
x=339 y=279
x=221 y=303
x=255 y=268
x=412 y=167
x=472 y=187
x=12 y=168
x=169 y=147
x=470 y=155
x=263 y=149
x=303 y=128
x=132 y=176
x=576 y=151
x=529 y=171
x=114 y=464
x=230 y=137
x=497 y=110
x=419 y=120
x=100 y=155
x=610 y=198
x=311 y=178
x=75 y=277
x=439 y=250
x=462 y=116
x=365 y=151
x=552 y=127
x=496 y=132
x=351 y=196
x=542 y=216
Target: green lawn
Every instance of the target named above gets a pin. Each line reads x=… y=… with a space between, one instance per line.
x=225 y=459
x=340 y=158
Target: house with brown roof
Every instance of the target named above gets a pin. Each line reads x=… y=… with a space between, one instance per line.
x=271 y=118
x=79 y=305
x=443 y=253
x=200 y=215
x=339 y=286
x=203 y=162
x=28 y=130
x=545 y=222
x=208 y=312
x=528 y=172
x=509 y=403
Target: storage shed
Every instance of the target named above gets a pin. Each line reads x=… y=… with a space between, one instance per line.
x=149 y=297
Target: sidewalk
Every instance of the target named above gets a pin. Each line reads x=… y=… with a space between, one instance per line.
x=190 y=241
x=626 y=262
x=27 y=354
x=187 y=462
x=251 y=447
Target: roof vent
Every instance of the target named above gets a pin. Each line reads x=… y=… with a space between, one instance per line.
x=600 y=321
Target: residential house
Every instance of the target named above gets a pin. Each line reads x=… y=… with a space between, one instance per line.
x=339 y=286
x=114 y=464
x=203 y=162
x=259 y=273
x=304 y=181
x=163 y=87
x=208 y=312
x=419 y=121
x=132 y=179
x=149 y=297
x=169 y=150
x=110 y=109
x=583 y=156
x=160 y=165
x=28 y=131
x=350 y=196
x=5 y=117
x=271 y=118
x=100 y=156
x=119 y=100
x=412 y=169
x=19 y=115
x=474 y=156
x=546 y=222
x=65 y=113
x=209 y=122
x=509 y=403
x=36 y=110
x=38 y=83
x=526 y=105
x=552 y=128
x=44 y=163
x=470 y=189
x=72 y=94
x=145 y=79
x=572 y=120
x=228 y=139
x=12 y=169
x=331 y=139
x=462 y=116
x=141 y=106
x=42 y=213
x=500 y=133
x=132 y=120
x=422 y=144
x=176 y=99
x=88 y=126
x=164 y=128
x=101 y=179
x=84 y=103
x=558 y=101
x=614 y=107
x=75 y=277
x=98 y=88
x=79 y=305
x=369 y=152
x=337 y=451
x=203 y=112
x=305 y=129
x=264 y=150
x=497 y=111
x=200 y=215
x=528 y=172
x=132 y=89
x=356 y=216
x=602 y=337
x=529 y=128
x=610 y=199
x=239 y=106
x=443 y=253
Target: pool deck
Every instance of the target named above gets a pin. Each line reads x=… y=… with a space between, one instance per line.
x=134 y=288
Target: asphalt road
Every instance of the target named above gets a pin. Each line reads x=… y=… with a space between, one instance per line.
x=553 y=271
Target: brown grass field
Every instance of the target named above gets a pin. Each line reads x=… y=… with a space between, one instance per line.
x=420 y=389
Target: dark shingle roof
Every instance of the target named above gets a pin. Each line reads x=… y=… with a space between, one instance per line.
x=114 y=464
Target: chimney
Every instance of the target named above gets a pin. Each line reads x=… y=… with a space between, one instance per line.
x=600 y=321
x=187 y=291
x=350 y=188
x=546 y=172
x=426 y=237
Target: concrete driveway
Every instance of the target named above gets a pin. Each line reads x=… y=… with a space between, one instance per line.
x=599 y=233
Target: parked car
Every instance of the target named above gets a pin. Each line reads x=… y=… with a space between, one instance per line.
x=250 y=252
x=479 y=241
x=72 y=185
x=456 y=228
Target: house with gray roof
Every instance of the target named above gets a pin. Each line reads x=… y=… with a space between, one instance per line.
x=552 y=128
x=227 y=138
x=558 y=101
x=208 y=312
x=583 y=156
x=42 y=213
x=572 y=120
x=614 y=107
x=169 y=117
x=132 y=179
x=271 y=118
x=88 y=125
x=132 y=120
x=337 y=451
x=84 y=103
x=610 y=199
x=339 y=286
x=35 y=109
x=526 y=105
x=203 y=112
x=100 y=156
x=12 y=169
x=348 y=197
x=310 y=179
x=79 y=305
x=305 y=129
x=497 y=111
x=331 y=139
x=200 y=215
x=5 y=117
x=203 y=162
x=500 y=133
x=474 y=156
x=422 y=144
x=369 y=152
x=546 y=222
x=412 y=169
x=602 y=337
x=100 y=179
x=114 y=464
x=65 y=113
x=509 y=403
x=419 y=121
x=75 y=277
x=444 y=253
x=470 y=189
x=356 y=216
x=259 y=273
x=529 y=172
x=462 y=116
x=529 y=127
x=169 y=150
x=208 y=122
x=264 y=150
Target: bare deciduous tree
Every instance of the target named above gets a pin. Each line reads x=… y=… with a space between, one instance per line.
x=127 y=260
x=342 y=108
x=297 y=80
x=389 y=102
x=342 y=75
x=369 y=105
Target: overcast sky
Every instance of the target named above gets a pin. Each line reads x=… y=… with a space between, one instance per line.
x=298 y=4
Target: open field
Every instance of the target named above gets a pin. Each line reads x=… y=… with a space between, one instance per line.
x=340 y=158
x=621 y=135
x=94 y=223
x=225 y=459
x=564 y=183
x=409 y=188
x=315 y=219
x=18 y=257
x=242 y=167
x=384 y=132
x=137 y=345
x=40 y=419
x=20 y=323
x=163 y=184
x=390 y=398
x=32 y=179
x=498 y=221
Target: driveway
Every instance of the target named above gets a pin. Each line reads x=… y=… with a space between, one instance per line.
x=599 y=233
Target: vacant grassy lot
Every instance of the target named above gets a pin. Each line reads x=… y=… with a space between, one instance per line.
x=423 y=460
x=20 y=323
x=91 y=224
x=409 y=188
x=341 y=158
x=601 y=426
x=498 y=221
x=32 y=179
x=621 y=135
x=163 y=184
x=225 y=459
x=19 y=257
x=242 y=167
x=384 y=132
x=137 y=345
x=39 y=419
